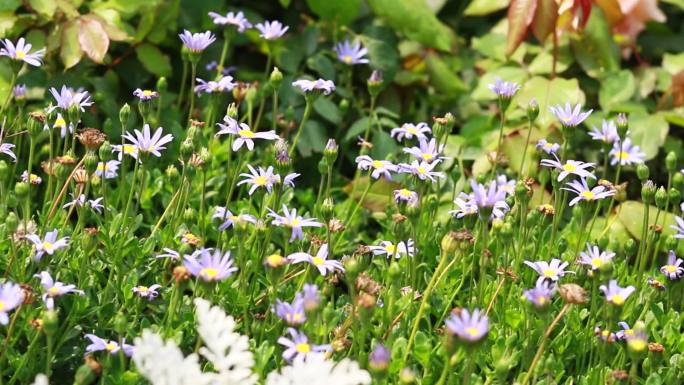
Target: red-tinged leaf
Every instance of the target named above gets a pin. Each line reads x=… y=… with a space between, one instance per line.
x=520 y=16
x=93 y=38
x=70 y=49
x=612 y=10
x=545 y=17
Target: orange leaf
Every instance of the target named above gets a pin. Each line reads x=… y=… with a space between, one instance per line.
x=612 y=10
x=520 y=16
x=545 y=18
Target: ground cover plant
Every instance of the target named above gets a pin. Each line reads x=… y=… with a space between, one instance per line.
x=352 y=192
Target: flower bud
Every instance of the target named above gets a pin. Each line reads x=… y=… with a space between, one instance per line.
x=276 y=78
x=4 y=169
x=330 y=151
x=630 y=247
x=674 y=195
x=671 y=161
x=379 y=358
x=35 y=123
x=89 y=239
x=124 y=113
x=11 y=222
x=50 y=322
x=622 y=125
x=21 y=189
x=250 y=94
x=105 y=151
x=449 y=243
x=90 y=162
x=532 y=110
x=162 y=85
x=642 y=172
x=343 y=106
x=648 y=191
x=375 y=82
x=678 y=181
x=328 y=209
x=661 y=198
x=671 y=242
x=189 y=214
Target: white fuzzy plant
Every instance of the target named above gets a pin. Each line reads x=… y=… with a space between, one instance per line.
x=163 y=363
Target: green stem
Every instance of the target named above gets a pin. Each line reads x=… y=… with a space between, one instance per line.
x=305 y=117
x=193 y=65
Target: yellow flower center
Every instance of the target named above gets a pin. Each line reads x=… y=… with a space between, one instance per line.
x=377 y=164
x=274 y=260
x=296 y=317
x=143 y=289
x=411 y=130
x=588 y=195
x=622 y=155
x=347 y=59
x=110 y=346
x=2 y=305
x=303 y=347
x=671 y=268
x=209 y=272
x=596 y=262
x=147 y=93
x=428 y=156
x=48 y=246
x=20 y=54
x=617 y=299
x=541 y=300
x=629 y=332
x=569 y=167
x=605 y=333
x=260 y=180
x=471 y=331
x=60 y=122
x=390 y=248
x=637 y=344
x=246 y=134
x=548 y=145
x=53 y=291
x=405 y=193
x=102 y=167
x=295 y=222
x=421 y=170
x=549 y=273
x=129 y=149
x=318 y=261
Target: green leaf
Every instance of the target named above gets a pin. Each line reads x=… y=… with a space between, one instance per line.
x=342 y=11
x=649 y=132
x=547 y=93
x=70 y=51
x=616 y=88
x=323 y=65
x=357 y=129
x=422 y=349
x=379 y=195
x=631 y=214
x=7 y=20
x=442 y=77
x=9 y=5
x=520 y=15
x=93 y=38
x=484 y=7
x=45 y=8
x=313 y=138
x=595 y=50
x=482 y=91
x=415 y=19
x=383 y=56
x=673 y=63
x=327 y=110
x=153 y=59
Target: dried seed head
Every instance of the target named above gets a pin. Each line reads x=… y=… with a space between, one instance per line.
x=81 y=176
x=367 y=285
x=547 y=210
x=619 y=375
x=180 y=274
x=655 y=347
x=92 y=138
x=38 y=116
x=572 y=293
x=335 y=225
x=29 y=295
x=366 y=301
x=191 y=239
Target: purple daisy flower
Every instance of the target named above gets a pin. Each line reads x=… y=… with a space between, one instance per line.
x=292 y=220
x=389 y=249
x=547 y=147
x=109 y=169
x=422 y=169
x=568 y=116
x=298 y=348
x=148 y=143
x=112 y=347
x=584 y=193
x=491 y=199
x=503 y=89
x=54 y=289
x=271 y=30
x=235 y=19
x=6 y=148
x=262 y=178
x=48 y=245
x=320 y=261
x=351 y=54
x=229 y=219
x=465 y=206
x=11 y=296
x=379 y=358
x=19 y=91
x=679 y=227
x=426 y=151
x=607 y=134
x=626 y=331
x=224 y=84
x=380 y=167
x=21 y=52
x=541 y=294
x=146 y=292
x=210 y=267
x=615 y=294
x=405 y=196
x=67 y=97
x=469 y=327
x=595 y=258
x=552 y=271
x=325 y=86
x=673 y=269
x=310 y=297
x=292 y=313
x=573 y=167
x=197 y=42
x=244 y=134
x=145 y=95
x=627 y=154
x=410 y=130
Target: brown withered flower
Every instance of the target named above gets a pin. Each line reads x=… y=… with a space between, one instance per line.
x=181 y=273
x=81 y=176
x=335 y=225
x=655 y=347
x=29 y=295
x=547 y=210
x=573 y=293
x=366 y=284
x=91 y=138
x=619 y=375
x=38 y=116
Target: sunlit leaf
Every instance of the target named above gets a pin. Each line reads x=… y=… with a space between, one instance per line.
x=520 y=16
x=93 y=38
x=545 y=17
x=70 y=51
